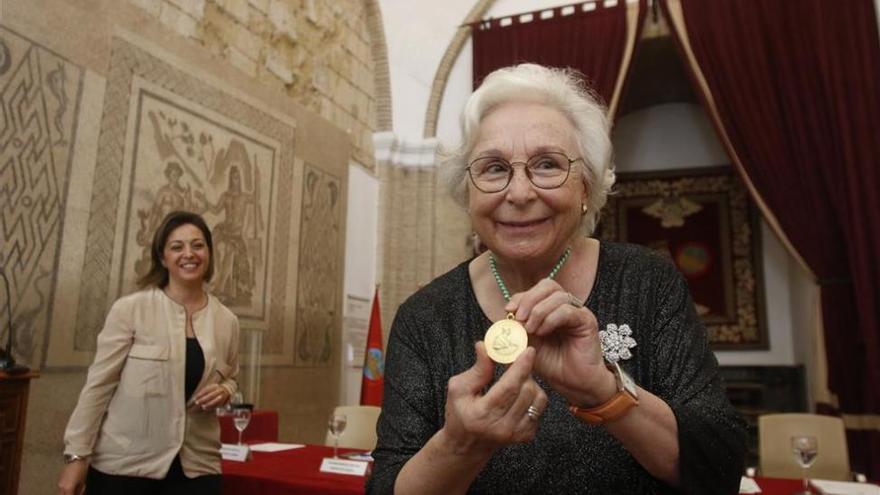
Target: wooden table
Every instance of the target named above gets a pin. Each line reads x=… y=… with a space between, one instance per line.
x=296 y=472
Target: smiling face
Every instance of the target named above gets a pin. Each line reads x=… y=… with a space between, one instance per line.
x=522 y=222
x=186 y=255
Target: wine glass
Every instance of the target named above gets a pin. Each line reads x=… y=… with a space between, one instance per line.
x=805 y=449
x=336 y=425
x=241 y=417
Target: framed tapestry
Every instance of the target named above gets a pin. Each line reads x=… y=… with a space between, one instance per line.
x=704 y=221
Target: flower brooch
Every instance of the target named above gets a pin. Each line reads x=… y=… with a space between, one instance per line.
x=617 y=342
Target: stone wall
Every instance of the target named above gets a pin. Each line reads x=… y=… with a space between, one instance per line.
x=111 y=118
x=317 y=52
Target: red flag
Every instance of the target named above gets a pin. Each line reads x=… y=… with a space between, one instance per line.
x=374 y=360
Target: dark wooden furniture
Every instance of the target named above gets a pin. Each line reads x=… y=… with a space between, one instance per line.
x=13 y=411
x=757 y=390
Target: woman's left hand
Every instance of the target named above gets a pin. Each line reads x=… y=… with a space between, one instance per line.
x=566 y=335
x=210 y=397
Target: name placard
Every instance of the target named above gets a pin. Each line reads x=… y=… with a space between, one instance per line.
x=344 y=466
x=232 y=452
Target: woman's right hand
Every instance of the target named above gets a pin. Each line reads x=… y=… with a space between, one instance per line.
x=73 y=478
x=478 y=423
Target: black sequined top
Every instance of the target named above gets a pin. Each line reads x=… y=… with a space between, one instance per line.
x=433 y=337
x=195 y=367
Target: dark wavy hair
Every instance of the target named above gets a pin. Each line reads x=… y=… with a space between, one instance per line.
x=158 y=274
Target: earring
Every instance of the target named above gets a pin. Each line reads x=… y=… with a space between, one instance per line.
x=477 y=246
x=583 y=208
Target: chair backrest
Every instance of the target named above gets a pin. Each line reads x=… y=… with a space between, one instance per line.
x=776 y=455
x=360 y=428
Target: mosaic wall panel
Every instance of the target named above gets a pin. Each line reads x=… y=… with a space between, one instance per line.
x=107 y=120
x=321 y=241
x=40 y=93
x=186 y=158
x=169 y=140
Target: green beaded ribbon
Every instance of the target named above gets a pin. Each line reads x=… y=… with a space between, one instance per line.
x=500 y=282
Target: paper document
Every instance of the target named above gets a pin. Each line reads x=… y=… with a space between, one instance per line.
x=233 y=452
x=748 y=485
x=343 y=466
x=275 y=447
x=828 y=487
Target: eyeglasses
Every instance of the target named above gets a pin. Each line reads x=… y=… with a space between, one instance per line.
x=547 y=170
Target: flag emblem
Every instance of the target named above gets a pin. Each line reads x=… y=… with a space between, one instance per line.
x=375 y=365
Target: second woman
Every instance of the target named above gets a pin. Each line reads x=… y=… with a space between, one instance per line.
x=166 y=357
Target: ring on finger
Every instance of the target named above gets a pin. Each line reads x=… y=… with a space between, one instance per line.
x=533 y=413
x=574 y=301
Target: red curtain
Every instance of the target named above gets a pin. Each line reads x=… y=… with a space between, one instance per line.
x=593 y=42
x=794 y=88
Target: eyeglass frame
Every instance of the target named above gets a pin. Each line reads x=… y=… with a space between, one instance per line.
x=525 y=165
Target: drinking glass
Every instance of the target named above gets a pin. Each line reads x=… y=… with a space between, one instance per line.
x=805 y=449
x=240 y=418
x=336 y=425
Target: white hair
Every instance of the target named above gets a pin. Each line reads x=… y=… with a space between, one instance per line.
x=562 y=89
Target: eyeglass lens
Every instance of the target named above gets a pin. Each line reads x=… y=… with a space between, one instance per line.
x=546 y=171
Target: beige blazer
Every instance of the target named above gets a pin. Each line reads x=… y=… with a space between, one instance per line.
x=131 y=418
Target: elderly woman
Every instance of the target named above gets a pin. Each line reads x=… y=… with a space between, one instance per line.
x=617 y=391
x=167 y=356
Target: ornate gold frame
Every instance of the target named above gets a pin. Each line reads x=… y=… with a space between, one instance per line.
x=705 y=221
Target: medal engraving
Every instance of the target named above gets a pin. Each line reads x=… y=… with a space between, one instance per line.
x=505 y=340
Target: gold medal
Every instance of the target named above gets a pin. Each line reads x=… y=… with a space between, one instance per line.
x=505 y=340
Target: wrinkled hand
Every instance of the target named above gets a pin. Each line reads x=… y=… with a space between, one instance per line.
x=72 y=480
x=566 y=338
x=210 y=397
x=477 y=422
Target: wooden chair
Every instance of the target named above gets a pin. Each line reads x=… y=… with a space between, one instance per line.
x=776 y=456
x=360 y=430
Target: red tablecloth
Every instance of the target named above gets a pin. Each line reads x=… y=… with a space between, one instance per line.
x=297 y=472
x=289 y=472
x=262 y=428
x=780 y=486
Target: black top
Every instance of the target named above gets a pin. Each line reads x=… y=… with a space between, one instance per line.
x=433 y=337
x=195 y=367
